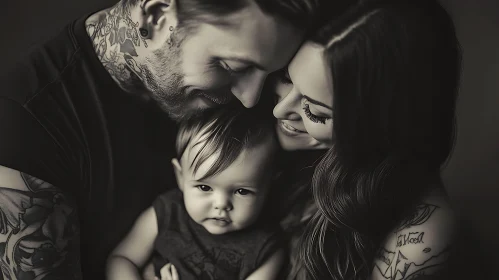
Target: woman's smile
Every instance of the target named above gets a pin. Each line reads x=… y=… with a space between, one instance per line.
x=288 y=129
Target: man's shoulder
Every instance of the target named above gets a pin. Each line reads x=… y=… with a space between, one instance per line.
x=421 y=243
x=42 y=65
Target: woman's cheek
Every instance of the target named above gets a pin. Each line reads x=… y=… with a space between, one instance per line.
x=319 y=131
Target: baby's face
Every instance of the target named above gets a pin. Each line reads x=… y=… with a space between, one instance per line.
x=232 y=199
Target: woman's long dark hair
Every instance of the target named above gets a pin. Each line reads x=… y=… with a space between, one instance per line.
x=395 y=68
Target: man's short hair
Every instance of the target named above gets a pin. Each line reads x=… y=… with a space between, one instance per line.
x=226 y=133
x=300 y=13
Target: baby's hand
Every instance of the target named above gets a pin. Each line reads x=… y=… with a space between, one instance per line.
x=168 y=272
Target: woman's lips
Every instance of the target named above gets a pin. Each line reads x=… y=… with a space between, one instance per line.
x=289 y=129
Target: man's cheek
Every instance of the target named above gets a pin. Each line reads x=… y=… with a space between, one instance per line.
x=207 y=79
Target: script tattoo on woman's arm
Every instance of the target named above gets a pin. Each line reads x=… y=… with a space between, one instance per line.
x=39 y=232
x=394 y=264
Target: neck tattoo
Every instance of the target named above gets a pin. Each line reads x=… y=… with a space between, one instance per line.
x=115 y=37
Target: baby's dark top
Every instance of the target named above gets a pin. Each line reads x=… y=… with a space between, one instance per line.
x=197 y=254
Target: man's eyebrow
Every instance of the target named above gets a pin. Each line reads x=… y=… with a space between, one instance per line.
x=313 y=101
x=245 y=61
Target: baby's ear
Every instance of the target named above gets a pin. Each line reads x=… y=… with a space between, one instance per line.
x=178 y=173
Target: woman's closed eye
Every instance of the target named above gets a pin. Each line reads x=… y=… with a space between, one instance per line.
x=314 y=118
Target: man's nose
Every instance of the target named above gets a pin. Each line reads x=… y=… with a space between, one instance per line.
x=248 y=88
x=286 y=108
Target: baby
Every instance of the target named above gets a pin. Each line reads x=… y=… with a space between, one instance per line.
x=209 y=228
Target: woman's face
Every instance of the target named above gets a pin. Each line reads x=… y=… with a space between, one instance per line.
x=305 y=100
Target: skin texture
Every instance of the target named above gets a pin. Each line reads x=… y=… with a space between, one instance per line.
x=190 y=69
x=39 y=231
x=248 y=172
x=305 y=100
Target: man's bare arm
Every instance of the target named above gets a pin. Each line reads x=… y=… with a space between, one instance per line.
x=39 y=231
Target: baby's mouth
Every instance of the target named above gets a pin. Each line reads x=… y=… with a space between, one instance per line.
x=221 y=221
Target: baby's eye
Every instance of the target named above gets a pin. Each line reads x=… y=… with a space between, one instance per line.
x=204 y=188
x=244 y=192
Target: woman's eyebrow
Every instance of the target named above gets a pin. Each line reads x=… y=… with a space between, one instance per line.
x=313 y=101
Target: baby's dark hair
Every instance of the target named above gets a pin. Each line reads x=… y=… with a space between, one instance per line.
x=227 y=132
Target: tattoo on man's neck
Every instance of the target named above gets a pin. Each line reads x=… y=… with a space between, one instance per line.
x=115 y=37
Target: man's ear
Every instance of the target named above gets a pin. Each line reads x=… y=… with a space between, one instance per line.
x=160 y=18
x=178 y=173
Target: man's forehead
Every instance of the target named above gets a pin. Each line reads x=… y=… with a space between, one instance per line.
x=248 y=13
x=259 y=41
x=251 y=18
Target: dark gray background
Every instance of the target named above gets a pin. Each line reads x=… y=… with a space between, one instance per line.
x=472 y=176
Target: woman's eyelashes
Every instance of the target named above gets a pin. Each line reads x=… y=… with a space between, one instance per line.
x=312 y=117
x=284 y=78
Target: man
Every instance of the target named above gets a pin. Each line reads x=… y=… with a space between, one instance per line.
x=85 y=142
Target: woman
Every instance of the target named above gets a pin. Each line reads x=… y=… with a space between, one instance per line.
x=377 y=87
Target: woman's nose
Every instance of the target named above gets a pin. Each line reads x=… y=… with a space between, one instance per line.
x=287 y=107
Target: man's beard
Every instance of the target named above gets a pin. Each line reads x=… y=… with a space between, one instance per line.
x=165 y=85
x=171 y=95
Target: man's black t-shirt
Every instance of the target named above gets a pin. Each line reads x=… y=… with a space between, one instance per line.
x=65 y=121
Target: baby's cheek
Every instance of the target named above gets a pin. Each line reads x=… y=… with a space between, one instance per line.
x=247 y=213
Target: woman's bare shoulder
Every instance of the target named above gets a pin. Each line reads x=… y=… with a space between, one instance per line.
x=420 y=244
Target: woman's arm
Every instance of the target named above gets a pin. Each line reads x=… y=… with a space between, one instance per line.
x=125 y=261
x=420 y=247
x=270 y=269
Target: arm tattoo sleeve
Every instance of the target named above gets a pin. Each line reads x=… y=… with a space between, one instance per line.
x=39 y=232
